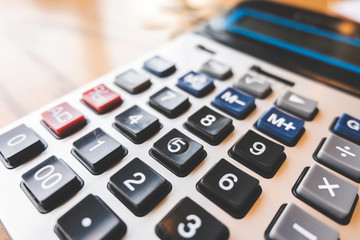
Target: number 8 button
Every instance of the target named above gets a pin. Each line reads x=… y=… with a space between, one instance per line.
x=50 y=183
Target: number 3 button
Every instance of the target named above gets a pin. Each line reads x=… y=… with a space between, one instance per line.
x=139 y=187
x=50 y=183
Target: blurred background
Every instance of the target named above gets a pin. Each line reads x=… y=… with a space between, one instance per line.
x=50 y=47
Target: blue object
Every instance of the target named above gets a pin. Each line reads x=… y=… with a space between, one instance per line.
x=159 y=66
x=281 y=126
x=232 y=26
x=348 y=127
x=197 y=84
x=234 y=103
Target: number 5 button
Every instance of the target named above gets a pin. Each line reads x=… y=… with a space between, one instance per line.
x=139 y=187
x=187 y=220
x=50 y=183
x=230 y=188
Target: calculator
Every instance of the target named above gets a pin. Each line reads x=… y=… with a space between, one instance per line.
x=248 y=128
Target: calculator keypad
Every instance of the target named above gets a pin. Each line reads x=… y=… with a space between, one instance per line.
x=50 y=183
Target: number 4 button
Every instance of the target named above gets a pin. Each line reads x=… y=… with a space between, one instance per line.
x=139 y=187
x=230 y=188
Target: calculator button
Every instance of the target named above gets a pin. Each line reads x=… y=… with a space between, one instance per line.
x=209 y=125
x=340 y=155
x=281 y=126
x=169 y=102
x=187 y=220
x=177 y=152
x=291 y=222
x=234 y=103
x=63 y=120
x=97 y=151
x=91 y=218
x=298 y=105
x=159 y=66
x=133 y=81
x=232 y=189
x=137 y=125
x=258 y=153
x=348 y=127
x=139 y=187
x=216 y=69
x=50 y=184
x=19 y=145
x=327 y=193
x=254 y=85
x=197 y=84
x=101 y=99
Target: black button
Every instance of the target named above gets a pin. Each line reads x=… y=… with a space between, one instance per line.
x=169 y=102
x=139 y=187
x=209 y=125
x=232 y=189
x=19 y=145
x=91 y=218
x=187 y=220
x=177 y=152
x=97 y=151
x=133 y=81
x=258 y=153
x=137 y=125
x=160 y=66
x=50 y=183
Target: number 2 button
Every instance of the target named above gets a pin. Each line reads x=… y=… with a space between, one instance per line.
x=139 y=187
x=209 y=125
x=50 y=183
x=187 y=220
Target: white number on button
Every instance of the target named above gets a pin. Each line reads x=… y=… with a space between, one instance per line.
x=227 y=181
x=174 y=145
x=258 y=148
x=189 y=230
x=135 y=181
x=208 y=120
x=16 y=140
x=135 y=118
x=169 y=95
x=46 y=174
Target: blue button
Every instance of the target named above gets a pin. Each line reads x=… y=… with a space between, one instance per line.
x=348 y=127
x=281 y=126
x=159 y=66
x=234 y=103
x=197 y=84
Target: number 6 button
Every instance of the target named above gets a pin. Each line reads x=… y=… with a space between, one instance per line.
x=187 y=220
x=139 y=187
x=50 y=183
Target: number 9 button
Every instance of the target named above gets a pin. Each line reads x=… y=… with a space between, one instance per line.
x=50 y=183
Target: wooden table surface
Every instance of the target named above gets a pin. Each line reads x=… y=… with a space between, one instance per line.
x=50 y=47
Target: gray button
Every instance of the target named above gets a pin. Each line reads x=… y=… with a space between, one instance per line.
x=297 y=105
x=132 y=81
x=294 y=223
x=341 y=155
x=216 y=69
x=254 y=85
x=328 y=193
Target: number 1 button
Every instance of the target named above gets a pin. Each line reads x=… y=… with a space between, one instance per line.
x=187 y=220
x=139 y=187
x=91 y=218
x=50 y=183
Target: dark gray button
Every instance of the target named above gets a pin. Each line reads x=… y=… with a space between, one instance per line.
x=294 y=223
x=254 y=85
x=133 y=81
x=216 y=69
x=341 y=155
x=298 y=105
x=328 y=193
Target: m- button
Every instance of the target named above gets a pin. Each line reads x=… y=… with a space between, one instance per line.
x=281 y=126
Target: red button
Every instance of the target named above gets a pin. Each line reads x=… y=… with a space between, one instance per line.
x=101 y=98
x=63 y=119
